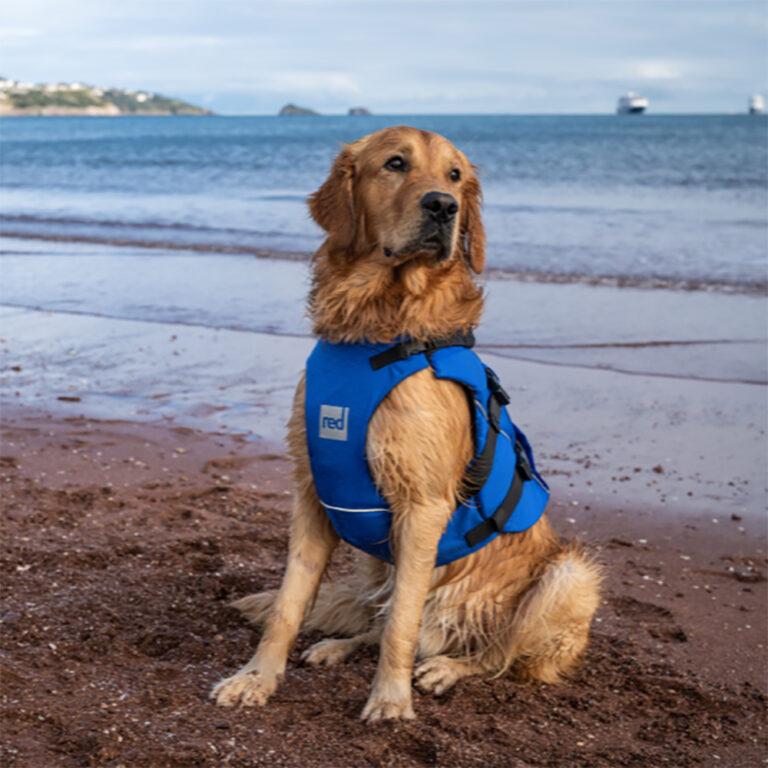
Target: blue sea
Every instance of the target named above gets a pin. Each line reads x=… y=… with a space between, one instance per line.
x=662 y=200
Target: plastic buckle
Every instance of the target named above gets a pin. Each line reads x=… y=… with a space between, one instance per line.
x=523 y=465
x=406 y=348
x=495 y=386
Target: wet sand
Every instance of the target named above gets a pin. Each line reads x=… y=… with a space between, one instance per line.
x=622 y=409
x=124 y=541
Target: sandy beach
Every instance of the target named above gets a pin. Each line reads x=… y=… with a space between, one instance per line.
x=124 y=542
x=145 y=486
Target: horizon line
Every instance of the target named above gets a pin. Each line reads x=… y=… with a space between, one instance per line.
x=731 y=113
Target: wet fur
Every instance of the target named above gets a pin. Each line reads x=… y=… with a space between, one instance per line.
x=523 y=603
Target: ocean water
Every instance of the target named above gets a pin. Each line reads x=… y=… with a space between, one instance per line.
x=668 y=200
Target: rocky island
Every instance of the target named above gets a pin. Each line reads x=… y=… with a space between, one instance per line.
x=292 y=109
x=77 y=99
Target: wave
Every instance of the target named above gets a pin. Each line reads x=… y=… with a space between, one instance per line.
x=650 y=281
x=71 y=221
x=180 y=236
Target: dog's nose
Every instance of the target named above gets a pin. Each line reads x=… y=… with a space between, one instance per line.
x=441 y=206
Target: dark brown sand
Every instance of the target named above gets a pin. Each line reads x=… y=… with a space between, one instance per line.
x=123 y=544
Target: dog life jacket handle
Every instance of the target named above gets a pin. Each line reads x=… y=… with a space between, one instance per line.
x=477 y=474
x=404 y=349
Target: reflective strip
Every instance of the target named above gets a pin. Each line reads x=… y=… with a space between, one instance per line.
x=344 y=509
x=485 y=416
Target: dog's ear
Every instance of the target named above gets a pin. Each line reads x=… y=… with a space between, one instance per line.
x=332 y=206
x=472 y=229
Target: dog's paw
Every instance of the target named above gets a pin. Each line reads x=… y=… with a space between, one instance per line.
x=439 y=674
x=388 y=707
x=328 y=652
x=245 y=688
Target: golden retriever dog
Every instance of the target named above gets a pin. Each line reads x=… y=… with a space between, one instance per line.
x=391 y=268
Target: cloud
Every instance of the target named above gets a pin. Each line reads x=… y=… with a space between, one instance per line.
x=657 y=69
x=309 y=82
x=398 y=55
x=11 y=32
x=167 y=43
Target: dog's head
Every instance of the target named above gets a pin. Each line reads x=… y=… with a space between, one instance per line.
x=402 y=194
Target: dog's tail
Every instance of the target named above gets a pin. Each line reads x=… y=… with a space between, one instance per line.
x=551 y=623
x=338 y=608
x=255 y=608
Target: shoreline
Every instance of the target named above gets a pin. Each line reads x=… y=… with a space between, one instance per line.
x=707 y=436
x=126 y=541
x=508 y=351
x=642 y=282
x=96 y=112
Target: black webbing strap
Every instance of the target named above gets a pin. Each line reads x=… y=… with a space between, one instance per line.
x=404 y=349
x=498 y=520
x=477 y=475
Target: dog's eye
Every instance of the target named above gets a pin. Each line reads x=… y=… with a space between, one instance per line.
x=455 y=174
x=395 y=163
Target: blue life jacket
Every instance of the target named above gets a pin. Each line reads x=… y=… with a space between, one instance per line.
x=345 y=384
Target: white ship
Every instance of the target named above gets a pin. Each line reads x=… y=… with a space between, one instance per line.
x=756 y=104
x=631 y=104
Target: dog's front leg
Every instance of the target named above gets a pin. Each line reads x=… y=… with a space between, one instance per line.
x=311 y=543
x=415 y=549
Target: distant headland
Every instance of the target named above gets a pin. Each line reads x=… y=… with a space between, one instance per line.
x=77 y=99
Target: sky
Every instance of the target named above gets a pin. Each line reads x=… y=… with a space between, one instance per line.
x=415 y=57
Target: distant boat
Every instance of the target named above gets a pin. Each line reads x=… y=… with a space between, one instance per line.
x=631 y=104
x=756 y=104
